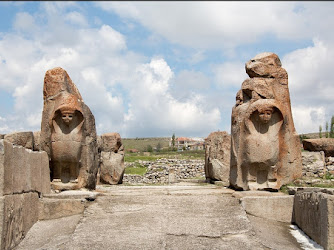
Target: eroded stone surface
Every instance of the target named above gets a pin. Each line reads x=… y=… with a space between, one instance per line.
x=265 y=151
x=68 y=133
x=313 y=212
x=217 y=157
x=321 y=144
x=24 y=139
x=111 y=158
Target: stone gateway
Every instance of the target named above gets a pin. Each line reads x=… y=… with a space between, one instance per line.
x=68 y=134
x=265 y=148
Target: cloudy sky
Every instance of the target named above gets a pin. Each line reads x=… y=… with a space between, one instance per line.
x=150 y=69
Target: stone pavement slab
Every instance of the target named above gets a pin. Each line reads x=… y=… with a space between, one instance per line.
x=154 y=217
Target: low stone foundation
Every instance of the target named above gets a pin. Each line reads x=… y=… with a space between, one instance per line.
x=164 y=171
x=313 y=212
x=24 y=176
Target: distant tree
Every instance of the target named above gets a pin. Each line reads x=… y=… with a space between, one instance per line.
x=158 y=147
x=320 y=131
x=331 y=135
x=149 y=148
x=326 y=130
x=173 y=140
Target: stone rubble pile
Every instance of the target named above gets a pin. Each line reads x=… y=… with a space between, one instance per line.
x=164 y=171
x=317 y=168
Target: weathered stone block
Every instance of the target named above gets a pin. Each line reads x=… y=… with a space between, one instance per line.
x=110 y=142
x=217 y=156
x=8 y=168
x=112 y=167
x=111 y=158
x=278 y=208
x=24 y=139
x=313 y=212
x=22 y=170
x=37 y=144
x=19 y=214
x=57 y=208
x=321 y=144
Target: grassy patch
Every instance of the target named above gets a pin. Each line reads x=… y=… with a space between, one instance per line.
x=137 y=169
x=191 y=154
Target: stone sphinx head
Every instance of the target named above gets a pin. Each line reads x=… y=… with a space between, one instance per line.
x=67 y=116
x=265 y=113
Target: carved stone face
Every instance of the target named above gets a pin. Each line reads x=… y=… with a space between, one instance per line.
x=67 y=116
x=265 y=115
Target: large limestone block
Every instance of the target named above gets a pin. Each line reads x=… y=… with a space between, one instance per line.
x=111 y=158
x=37 y=136
x=278 y=208
x=217 y=156
x=313 y=212
x=18 y=214
x=68 y=133
x=265 y=151
x=321 y=144
x=112 y=168
x=110 y=142
x=23 y=170
x=58 y=208
x=24 y=139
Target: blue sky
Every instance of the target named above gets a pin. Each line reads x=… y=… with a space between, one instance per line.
x=150 y=69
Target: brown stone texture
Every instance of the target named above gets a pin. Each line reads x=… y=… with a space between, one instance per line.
x=265 y=148
x=19 y=212
x=313 y=212
x=37 y=136
x=24 y=175
x=24 y=139
x=217 y=156
x=57 y=208
x=23 y=170
x=111 y=158
x=321 y=144
x=68 y=133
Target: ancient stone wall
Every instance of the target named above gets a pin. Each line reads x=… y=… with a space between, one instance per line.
x=313 y=212
x=164 y=171
x=24 y=176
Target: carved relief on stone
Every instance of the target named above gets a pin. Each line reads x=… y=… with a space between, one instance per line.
x=68 y=133
x=66 y=140
x=265 y=150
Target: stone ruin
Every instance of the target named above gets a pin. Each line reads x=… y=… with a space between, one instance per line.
x=111 y=152
x=265 y=148
x=68 y=133
x=217 y=157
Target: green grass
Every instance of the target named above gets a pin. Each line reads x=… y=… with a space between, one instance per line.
x=191 y=154
x=137 y=169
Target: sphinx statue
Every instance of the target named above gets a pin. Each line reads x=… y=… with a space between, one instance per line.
x=265 y=148
x=68 y=134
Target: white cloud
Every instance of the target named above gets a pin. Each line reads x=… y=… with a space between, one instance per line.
x=310 y=84
x=154 y=109
x=230 y=74
x=224 y=24
x=24 y=22
x=308 y=119
x=76 y=18
x=125 y=93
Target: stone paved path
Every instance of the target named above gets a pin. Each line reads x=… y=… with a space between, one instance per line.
x=156 y=217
